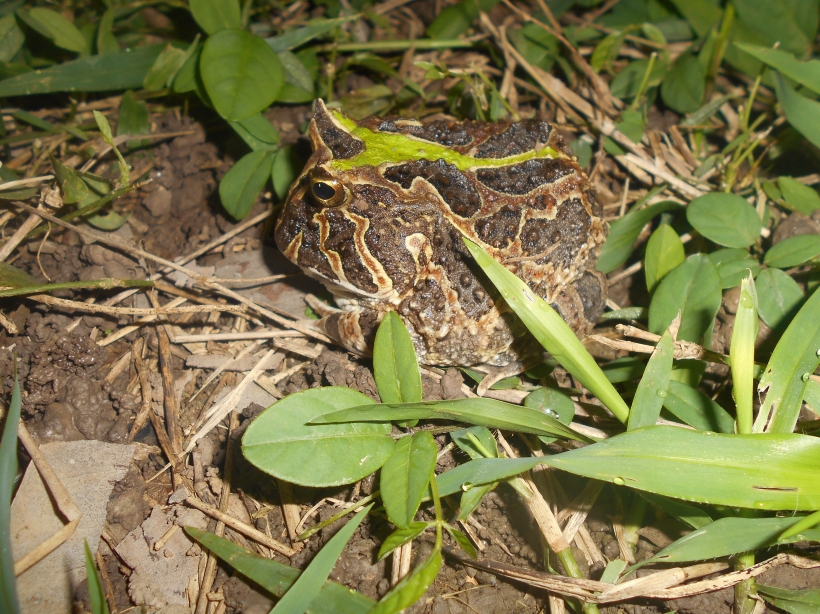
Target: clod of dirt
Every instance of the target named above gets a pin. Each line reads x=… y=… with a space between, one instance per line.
x=88 y=470
x=332 y=368
x=160 y=578
x=794 y=225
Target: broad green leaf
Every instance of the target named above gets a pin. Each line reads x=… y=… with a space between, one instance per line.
x=607 y=50
x=794 y=359
x=257 y=132
x=811 y=395
x=791 y=601
x=59 y=29
x=281 y=441
x=96 y=592
x=286 y=166
x=623 y=369
x=742 y=354
x=74 y=189
x=792 y=23
x=695 y=517
x=480 y=411
x=307 y=586
x=463 y=542
x=693 y=290
x=241 y=185
x=682 y=88
x=726 y=219
x=8 y=471
x=702 y=15
x=186 y=79
x=411 y=587
x=627 y=82
x=106 y=41
x=276 y=578
x=12 y=277
x=696 y=409
x=772 y=471
x=798 y=196
x=664 y=251
x=483 y=471
x=215 y=15
x=242 y=74
x=101 y=73
x=623 y=233
x=454 y=20
x=801 y=112
x=652 y=389
x=297 y=37
x=552 y=402
x=793 y=251
x=733 y=265
x=406 y=475
x=132 y=119
x=550 y=330
x=167 y=66
x=399 y=537
x=724 y=537
x=295 y=72
x=779 y=296
x=107 y=220
x=476 y=441
x=804 y=73
x=11 y=38
x=395 y=367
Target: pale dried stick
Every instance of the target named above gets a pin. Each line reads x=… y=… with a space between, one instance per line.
x=132 y=311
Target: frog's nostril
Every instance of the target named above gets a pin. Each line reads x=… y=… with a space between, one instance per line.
x=323 y=191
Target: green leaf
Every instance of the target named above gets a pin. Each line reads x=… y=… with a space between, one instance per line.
x=107 y=220
x=799 y=197
x=399 y=537
x=186 y=79
x=106 y=41
x=295 y=72
x=257 y=132
x=693 y=290
x=779 y=297
x=297 y=37
x=166 y=67
x=8 y=471
x=793 y=251
x=794 y=359
x=688 y=514
x=623 y=233
x=96 y=593
x=241 y=185
x=463 y=542
x=804 y=73
x=623 y=369
x=702 y=15
x=553 y=403
x=627 y=83
x=471 y=498
x=276 y=578
x=696 y=409
x=726 y=219
x=242 y=74
x=56 y=27
x=742 y=354
x=281 y=441
x=132 y=119
x=12 y=277
x=307 y=586
x=74 y=189
x=480 y=411
x=724 y=537
x=395 y=367
x=791 y=601
x=11 y=38
x=215 y=15
x=286 y=166
x=476 y=441
x=607 y=50
x=550 y=330
x=652 y=389
x=108 y=137
x=664 y=252
x=807 y=522
x=109 y=72
x=406 y=475
x=682 y=89
x=483 y=471
x=772 y=471
x=801 y=112
x=733 y=265
x=411 y=587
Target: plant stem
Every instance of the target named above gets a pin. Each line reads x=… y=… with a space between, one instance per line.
x=348 y=510
x=634 y=520
x=397 y=45
x=720 y=48
x=644 y=82
x=744 y=604
x=571 y=568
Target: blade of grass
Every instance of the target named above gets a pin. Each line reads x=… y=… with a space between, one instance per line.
x=8 y=470
x=742 y=354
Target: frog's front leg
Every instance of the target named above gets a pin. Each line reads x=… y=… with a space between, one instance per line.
x=353 y=329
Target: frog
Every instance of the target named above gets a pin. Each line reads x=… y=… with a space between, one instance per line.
x=379 y=212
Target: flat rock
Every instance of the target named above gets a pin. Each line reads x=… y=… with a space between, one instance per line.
x=88 y=470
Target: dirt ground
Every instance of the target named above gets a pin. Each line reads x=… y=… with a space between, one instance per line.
x=74 y=390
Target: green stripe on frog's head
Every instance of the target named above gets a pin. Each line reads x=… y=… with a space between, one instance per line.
x=360 y=146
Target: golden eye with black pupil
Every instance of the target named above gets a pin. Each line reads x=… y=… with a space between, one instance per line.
x=323 y=191
x=328 y=192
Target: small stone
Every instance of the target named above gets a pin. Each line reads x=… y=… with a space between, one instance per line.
x=158 y=202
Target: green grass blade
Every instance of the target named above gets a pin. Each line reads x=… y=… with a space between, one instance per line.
x=795 y=357
x=411 y=587
x=696 y=409
x=483 y=412
x=551 y=331
x=742 y=355
x=652 y=389
x=96 y=594
x=793 y=602
x=483 y=471
x=8 y=470
x=772 y=471
x=314 y=576
x=276 y=578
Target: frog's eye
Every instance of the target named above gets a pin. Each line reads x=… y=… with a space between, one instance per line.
x=328 y=192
